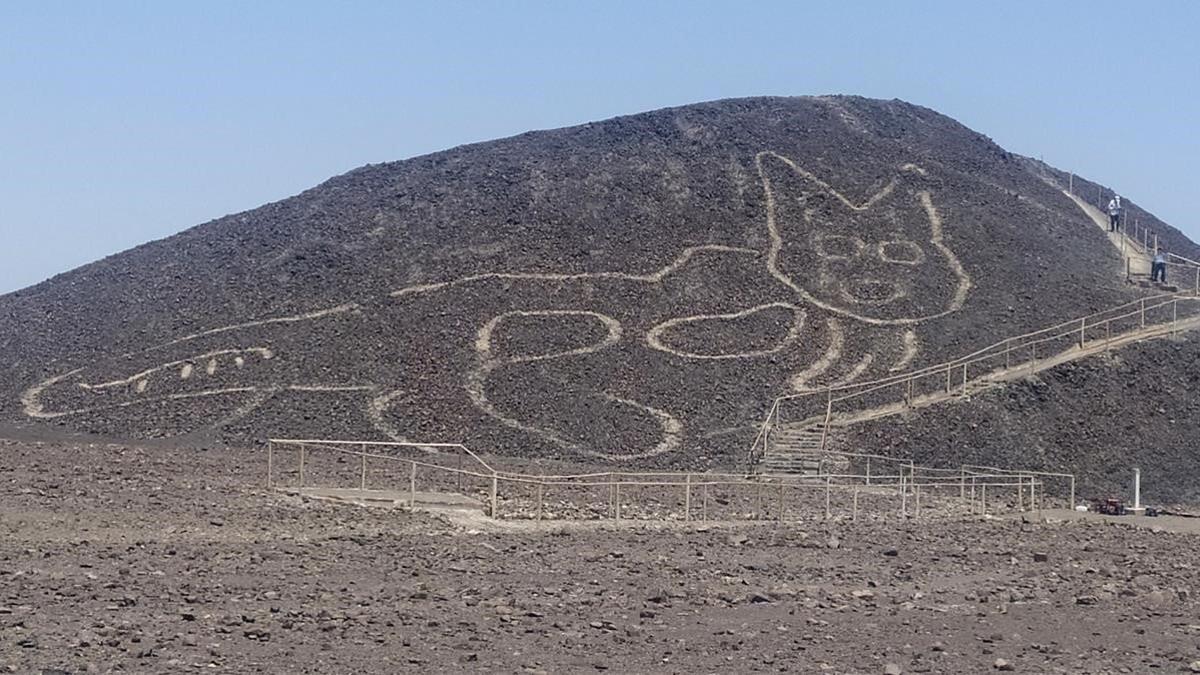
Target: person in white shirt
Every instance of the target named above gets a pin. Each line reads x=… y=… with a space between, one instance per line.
x=1114 y=213
x=1158 y=271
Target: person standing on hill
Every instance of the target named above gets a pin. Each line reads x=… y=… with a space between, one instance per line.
x=1114 y=213
x=1158 y=270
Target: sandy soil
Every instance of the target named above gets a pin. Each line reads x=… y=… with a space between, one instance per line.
x=115 y=558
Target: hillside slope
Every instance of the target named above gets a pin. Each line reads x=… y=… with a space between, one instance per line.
x=1099 y=417
x=635 y=289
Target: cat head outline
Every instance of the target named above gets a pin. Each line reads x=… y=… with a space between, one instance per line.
x=881 y=260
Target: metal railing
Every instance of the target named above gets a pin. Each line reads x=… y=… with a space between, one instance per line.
x=1142 y=319
x=902 y=488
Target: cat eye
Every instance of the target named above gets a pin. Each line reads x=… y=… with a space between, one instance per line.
x=838 y=247
x=902 y=252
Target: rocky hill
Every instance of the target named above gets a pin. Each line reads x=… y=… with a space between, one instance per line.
x=636 y=289
x=1100 y=417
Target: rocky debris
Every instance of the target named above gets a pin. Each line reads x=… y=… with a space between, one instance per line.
x=625 y=196
x=1052 y=423
x=94 y=580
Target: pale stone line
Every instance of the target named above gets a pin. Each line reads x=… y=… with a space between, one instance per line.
x=483 y=339
x=833 y=352
x=654 y=340
x=910 y=341
x=653 y=277
x=264 y=352
x=340 y=309
x=855 y=372
x=776 y=242
x=964 y=280
x=330 y=387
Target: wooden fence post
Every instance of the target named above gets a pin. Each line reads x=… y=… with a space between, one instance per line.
x=270 y=461
x=362 y=481
x=964 y=386
x=1082 y=332
x=828 y=483
x=302 y=465
x=1142 y=312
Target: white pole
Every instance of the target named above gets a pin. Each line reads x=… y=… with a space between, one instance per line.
x=1137 y=490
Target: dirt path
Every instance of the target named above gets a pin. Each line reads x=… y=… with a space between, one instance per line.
x=1139 y=261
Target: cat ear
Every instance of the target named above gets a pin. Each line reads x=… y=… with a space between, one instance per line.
x=783 y=178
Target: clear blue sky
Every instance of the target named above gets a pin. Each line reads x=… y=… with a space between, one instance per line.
x=122 y=122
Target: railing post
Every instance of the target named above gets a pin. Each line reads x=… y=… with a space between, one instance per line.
x=828 y=418
x=704 y=501
x=759 y=496
x=828 y=483
x=1072 y=492
x=984 y=499
x=1007 y=354
x=1082 y=332
x=270 y=461
x=495 y=494
x=1142 y=312
x=687 y=498
x=412 y=488
x=781 y=503
x=948 y=379
x=302 y=465
x=617 y=502
x=1174 y=314
x=1197 y=290
x=868 y=470
x=964 y=386
x=362 y=481
x=1129 y=268
x=903 y=493
x=540 y=495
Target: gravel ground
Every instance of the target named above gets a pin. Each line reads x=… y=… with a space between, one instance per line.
x=118 y=558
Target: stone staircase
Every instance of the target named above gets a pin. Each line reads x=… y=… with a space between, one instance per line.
x=796 y=450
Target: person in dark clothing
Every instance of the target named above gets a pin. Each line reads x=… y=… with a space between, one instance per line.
x=1158 y=270
x=1114 y=213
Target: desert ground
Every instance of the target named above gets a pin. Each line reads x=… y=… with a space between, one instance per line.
x=117 y=558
